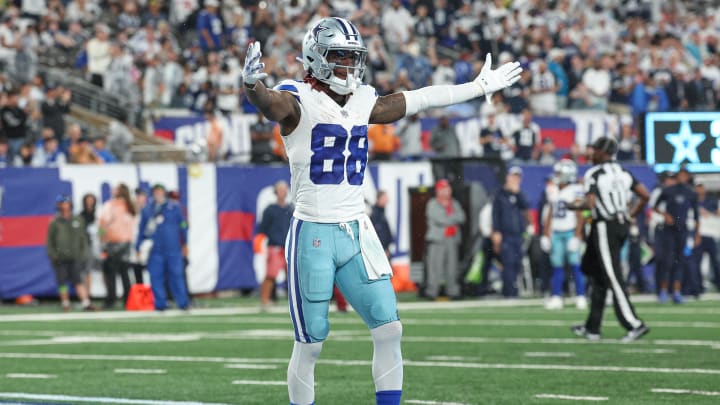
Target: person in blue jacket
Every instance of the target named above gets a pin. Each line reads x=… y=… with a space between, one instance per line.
x=163 y=222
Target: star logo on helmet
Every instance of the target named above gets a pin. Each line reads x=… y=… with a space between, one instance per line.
x=317 y=30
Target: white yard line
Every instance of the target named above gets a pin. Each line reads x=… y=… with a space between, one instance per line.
x=550 y=354
x=420 y=401
x=252 y=366
x=30 y=376
x=409 y=363
x=649 y=351
x=258 y=382
x=571 y=397
x=139 y=371
x=338 y=336
x=451 y=358
x=686 y=392
x=96 y=400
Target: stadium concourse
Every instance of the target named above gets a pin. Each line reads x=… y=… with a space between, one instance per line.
x=460 y=353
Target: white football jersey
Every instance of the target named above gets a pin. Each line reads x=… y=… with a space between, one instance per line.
x=564 y=219
x=328 y=152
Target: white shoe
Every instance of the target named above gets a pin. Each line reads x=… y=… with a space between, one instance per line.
x=581 y=302
x=555 y=302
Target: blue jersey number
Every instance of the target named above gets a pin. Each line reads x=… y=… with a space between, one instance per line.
x=560 y=209
x=328 y=164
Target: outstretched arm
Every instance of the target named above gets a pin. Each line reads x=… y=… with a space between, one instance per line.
x=395 y=106
x=275 y=105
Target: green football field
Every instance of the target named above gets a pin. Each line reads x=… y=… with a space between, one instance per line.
x=468 y=352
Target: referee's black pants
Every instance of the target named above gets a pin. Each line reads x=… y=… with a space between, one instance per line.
x=601 y=263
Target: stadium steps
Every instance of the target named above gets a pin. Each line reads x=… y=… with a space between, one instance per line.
x=145 y=147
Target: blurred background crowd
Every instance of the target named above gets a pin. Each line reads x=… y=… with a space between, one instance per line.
x=621 y=56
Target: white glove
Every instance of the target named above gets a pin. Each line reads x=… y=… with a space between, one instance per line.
x=545 y=244
x=491 y=81
x=253 y=69
x=573 y=244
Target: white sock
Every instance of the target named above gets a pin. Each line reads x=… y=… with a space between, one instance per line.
x=301 y=372
x=387 y=358
x=86 y=302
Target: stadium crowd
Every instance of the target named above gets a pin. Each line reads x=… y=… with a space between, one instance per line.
x=620 y=56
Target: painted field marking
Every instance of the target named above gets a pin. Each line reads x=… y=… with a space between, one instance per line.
x=420 y=401
x=252 y=366
x=258 y=382
x=451 y=358
x=31 y=376
x=550 y=354
x=96 y=400
x=687 y=392
x=571 y=397
x=140 y=371
x=410 y=363
x=649 y=351
x=350 y=336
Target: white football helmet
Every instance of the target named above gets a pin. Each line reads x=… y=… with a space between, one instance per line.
x=565 y=171
x=335 y=38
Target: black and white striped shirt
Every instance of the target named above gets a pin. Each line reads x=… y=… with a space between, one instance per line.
x=612 y=185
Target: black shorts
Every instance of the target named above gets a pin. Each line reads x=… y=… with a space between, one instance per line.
x=69 y=270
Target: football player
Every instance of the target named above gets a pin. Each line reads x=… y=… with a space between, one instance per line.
x=562 y=234
x=324 y=122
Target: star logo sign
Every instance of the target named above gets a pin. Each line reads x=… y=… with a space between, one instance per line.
x=685 y=143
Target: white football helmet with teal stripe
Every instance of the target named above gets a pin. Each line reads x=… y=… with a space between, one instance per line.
x=329 y=42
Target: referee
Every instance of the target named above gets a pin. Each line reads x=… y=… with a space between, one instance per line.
x=607 y=195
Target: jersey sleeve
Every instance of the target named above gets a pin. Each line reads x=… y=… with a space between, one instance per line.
x=290 y=86
x=590 y=183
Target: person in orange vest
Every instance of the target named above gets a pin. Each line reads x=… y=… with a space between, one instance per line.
x=383 y=142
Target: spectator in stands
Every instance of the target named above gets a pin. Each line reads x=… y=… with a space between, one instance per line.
x=82 y=11
x=410 y=135
x=183 y=98
x=4 y=152
x=12 y=120
x=215 y=136
x=444 y=216
x=98 y=54
x=67 y=249
x=274 y=225
x=54 y=109
x=9 y=42
x=543 y=89
x=628 y=149
x=446 y=145
x=83 y=154
x=101 y=150
x=209 y=27
x=49 y=154
x=547 y=153
x=130 y=20
x=383 y=142
x=380 y=222
x=116 y=222
x=526 y=138
x=261 y=134
x=163 y=223
x=700 y=93
x=555 y=64
x=228 y=90
x=25 y=156
x=510 y=220
x=491 y=138
x=397 y=24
